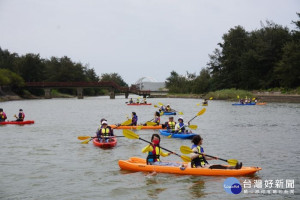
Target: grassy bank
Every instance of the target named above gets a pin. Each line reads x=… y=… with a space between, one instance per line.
x=229 y=94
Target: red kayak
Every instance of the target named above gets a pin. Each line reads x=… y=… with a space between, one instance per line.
x=139 y=104
x=18 y=122
x=105 y=145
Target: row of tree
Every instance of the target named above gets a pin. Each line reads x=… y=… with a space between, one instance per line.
x=15 y=70
x=260 y=59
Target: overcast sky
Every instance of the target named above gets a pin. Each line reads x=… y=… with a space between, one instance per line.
x=135 y=38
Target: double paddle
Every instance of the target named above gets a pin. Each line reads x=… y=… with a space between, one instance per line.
x=188 y=150
x=89 y=138
x=131 y=135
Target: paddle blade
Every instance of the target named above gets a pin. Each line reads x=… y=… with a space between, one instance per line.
x=151 y=123
x=155 y=106
x=232 y=162
x=126 y=123
x=139 y=127
x=180 y=113
x=237 y=96
x=130 y=134
x=201 y=111
x=86 y=141
x=185 y=158
x=194 y=127
x=185 y=150
x=161 y=104
x=170 y=136
x=211 y=98
x=161 y=113
x=198 y=104
x=83 y=137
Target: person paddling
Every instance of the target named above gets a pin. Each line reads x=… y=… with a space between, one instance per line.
x=170 y=125
x=104 y=132
x=130 y=101
x=180 y=126
x=145 y=101
x=20 y=116
x=157 y=118
x=134 y=119
x=199 y=160
x=154 y=151
x=3 y=116
x=168 y=108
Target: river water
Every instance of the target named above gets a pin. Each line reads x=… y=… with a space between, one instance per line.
x=47 y=161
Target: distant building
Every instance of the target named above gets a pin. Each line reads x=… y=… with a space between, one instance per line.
x=148 y=83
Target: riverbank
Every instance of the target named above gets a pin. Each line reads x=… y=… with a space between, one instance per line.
x=262 y=96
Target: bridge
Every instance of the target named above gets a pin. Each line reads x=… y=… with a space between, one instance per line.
x=111 y=86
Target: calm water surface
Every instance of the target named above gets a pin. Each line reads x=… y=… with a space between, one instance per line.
x=47 y=161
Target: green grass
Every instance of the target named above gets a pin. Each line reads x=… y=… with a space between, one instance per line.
x=229 y=94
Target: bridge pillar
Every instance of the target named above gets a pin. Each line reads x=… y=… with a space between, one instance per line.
x=79 y=93
x=112 y=94
x=126 y=95
x=47 y=93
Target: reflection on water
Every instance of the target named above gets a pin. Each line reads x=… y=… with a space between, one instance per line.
x=197 y=189
x=154 y=185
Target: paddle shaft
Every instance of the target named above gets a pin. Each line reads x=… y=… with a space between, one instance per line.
x=212 y=157
x=161 y=147
x=192 y=118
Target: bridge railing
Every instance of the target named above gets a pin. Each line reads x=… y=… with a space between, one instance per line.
x=109 y=84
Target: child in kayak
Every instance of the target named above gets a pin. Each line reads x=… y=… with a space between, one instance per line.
x=180 y=127
x=3 y=116
x=157 y=118
x=170 y=125
x=168 y=108
x=200 y=161
x=134 y=119
x=130 y=101
x=105 y=132
x=162 y=108
x=20 y=116
x=154 y=151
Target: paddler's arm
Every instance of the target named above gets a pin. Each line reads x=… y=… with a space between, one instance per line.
x=164 y=154
x=194 y=155
x=147 y=149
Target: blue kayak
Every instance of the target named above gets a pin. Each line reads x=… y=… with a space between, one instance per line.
x=178 y=135
x=169 y=113
x=246 y=104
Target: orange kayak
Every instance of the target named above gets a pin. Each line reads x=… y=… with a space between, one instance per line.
x=136 y=127
x=139 y=165
x=262 y=103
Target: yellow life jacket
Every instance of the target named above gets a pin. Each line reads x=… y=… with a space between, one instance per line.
x=171 y=125
x=200 y=160
x=105 y=131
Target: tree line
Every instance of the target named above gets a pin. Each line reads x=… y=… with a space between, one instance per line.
x=261 y=59
x=15 y=70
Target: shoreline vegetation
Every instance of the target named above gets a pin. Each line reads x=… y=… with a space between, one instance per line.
x=275 y=95
x=242 y=59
